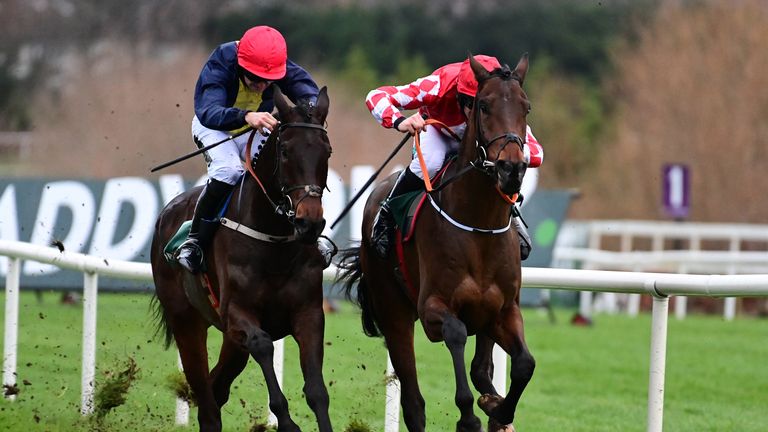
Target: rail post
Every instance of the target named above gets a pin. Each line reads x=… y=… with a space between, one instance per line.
x=660 y=316
x=90 y=301
x=11 y=338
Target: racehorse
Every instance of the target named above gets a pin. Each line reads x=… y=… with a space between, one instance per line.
x=264 y=276
x=460 y=273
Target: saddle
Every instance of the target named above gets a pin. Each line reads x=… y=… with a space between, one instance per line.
x=405 y=210
x=407 y=207
x=198 y=288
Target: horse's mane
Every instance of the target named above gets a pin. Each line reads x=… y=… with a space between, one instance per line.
x=306 y=110
x=303 y=108
x=505 y=73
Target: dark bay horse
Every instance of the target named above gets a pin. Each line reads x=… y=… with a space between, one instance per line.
x=268 y=286
x=463 y=262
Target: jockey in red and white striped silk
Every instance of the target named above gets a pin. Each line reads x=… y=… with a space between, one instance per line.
x=444 y=95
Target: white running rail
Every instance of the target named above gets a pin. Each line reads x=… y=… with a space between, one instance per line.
x=658 y=285
x=661 y=246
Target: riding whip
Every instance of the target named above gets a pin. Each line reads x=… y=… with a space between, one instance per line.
x=370 y=180
x=198 y=151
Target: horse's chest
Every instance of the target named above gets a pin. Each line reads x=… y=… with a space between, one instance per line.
x=484 y=294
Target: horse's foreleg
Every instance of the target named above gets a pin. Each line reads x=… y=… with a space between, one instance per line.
x=191 y=342
x=245 y=331
x=398 y=334
x=509 y=335
x=455 y=336
x=481 y=370
x=308 y=333
x=232 y=361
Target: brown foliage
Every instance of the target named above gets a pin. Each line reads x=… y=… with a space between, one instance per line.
x=126 y=114
x=693 y=91
x=119 y=117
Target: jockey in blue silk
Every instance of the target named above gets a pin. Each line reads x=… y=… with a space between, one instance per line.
x=234 y=92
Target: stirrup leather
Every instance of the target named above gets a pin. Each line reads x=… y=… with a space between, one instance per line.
x=525 y=239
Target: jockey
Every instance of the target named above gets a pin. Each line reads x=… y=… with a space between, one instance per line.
x=233 y=93
x=445 y=95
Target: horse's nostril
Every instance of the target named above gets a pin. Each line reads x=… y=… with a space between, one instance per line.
x=302 y=225
x=521 y=168
x=504 y=168
x=309 y=230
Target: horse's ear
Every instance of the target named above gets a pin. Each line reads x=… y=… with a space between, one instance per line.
x=522 y=68
x=322 y=104
x=480 y=72
x=280 y=101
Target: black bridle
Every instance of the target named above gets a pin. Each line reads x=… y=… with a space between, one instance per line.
x=284 y=205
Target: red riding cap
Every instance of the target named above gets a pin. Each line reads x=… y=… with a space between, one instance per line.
x=262 y=52
x=467 y=84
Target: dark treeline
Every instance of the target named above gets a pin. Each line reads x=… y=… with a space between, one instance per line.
x=576 y=35
x=571 y=44
x=367 y=42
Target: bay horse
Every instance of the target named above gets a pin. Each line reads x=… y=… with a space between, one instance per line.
x=463 y=262
x=265 y=274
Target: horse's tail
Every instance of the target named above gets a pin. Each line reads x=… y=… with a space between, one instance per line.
x=159 y=314
x=351 y=272
x=160 y=318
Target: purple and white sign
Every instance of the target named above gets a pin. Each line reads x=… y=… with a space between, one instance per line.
x=677 y=190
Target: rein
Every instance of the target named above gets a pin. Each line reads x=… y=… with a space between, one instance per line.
x=417 y=144
x=481 y=163
x=285 y=206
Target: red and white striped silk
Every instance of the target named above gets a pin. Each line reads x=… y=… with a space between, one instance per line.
x=434 y=96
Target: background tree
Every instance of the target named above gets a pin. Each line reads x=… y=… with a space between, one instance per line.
x=704 y=105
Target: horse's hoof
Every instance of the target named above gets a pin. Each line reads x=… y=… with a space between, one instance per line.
x=471 y=425
x=489 y=402
x=494 y=426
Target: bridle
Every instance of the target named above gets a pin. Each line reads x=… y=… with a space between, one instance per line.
x=283 y=205
x=482 y=163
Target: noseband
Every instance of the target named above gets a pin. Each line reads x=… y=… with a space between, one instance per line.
x=284 y=205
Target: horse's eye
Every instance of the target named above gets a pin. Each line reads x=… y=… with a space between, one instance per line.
x=484 y=107
x=528 y=108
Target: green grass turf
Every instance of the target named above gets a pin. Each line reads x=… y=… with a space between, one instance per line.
x=587 y=379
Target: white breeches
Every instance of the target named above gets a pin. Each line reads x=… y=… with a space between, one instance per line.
x=434 y=146
x=225 y=161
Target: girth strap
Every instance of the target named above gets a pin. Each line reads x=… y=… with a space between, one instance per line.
x=250 y=232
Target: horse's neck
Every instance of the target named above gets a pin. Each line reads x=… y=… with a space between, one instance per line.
x=253 y=209
x=473 y=199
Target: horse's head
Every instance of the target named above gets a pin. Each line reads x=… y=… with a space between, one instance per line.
x=498 y=118
x=302 y=162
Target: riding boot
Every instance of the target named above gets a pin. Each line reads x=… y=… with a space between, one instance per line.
x=522 y=233
x=384 y=223
x=204 y=224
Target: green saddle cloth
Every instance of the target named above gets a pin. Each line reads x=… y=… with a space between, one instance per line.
x=401 y=204
x=173 y=244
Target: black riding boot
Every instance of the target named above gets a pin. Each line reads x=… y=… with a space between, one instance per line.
x=522 y=233
x=384 y=224
x=190 y=253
